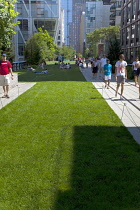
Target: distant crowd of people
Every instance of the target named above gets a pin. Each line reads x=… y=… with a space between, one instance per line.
x=98 y=65
x=65 y=65
x=103 y=67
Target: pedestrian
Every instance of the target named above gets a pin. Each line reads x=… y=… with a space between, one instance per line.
x=94 y=66
x=134 y=68
x=138 y=75
x=102 y=63
x=121 y=74
x=5 y=71
x=107 y=73
x=87 y=61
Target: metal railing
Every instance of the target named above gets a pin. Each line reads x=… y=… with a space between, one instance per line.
x=18 y=65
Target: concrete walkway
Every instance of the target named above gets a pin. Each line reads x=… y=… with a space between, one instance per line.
x=15 y=92
x=128 y=109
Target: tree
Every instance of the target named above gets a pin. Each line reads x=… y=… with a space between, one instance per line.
x=7 y=24
x=114 y=51
x=68 y=52
x=39 y=47
x=103 y=34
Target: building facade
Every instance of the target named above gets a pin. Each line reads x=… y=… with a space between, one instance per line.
x=130 y=28
x=78 y=7
x=43 y=14
x=67 y=6
x=97 y=15
x=115 y=9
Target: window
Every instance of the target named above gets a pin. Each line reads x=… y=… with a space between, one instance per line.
x=23 y=24
x=21 y=50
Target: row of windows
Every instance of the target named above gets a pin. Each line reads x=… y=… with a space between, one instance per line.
x=131 y=12
x=131 y=34
x=45 y=24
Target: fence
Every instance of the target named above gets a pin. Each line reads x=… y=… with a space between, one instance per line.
x=18 y=65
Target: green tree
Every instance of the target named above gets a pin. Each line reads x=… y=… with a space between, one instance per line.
x=114 y=51
x=68 y=52
x=7 y=24
x=39 y=47
x=104 y=34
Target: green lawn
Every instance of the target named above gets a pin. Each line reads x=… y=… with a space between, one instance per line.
x=63 y=148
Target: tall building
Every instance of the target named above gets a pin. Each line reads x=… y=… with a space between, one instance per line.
x=33 y=15
x=115 y=10
x=67 y=6
x=97 y=15
x=130 y=28
x=78 y=6
x=82 y=33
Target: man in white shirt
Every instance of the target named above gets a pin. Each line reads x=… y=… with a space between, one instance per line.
x=102 y=63
x=121 y=74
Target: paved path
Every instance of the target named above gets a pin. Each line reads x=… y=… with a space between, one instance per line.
x=15 y=92
x=128 y=109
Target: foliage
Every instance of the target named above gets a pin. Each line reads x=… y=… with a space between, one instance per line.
x=114 y=51
x=79 y=55
x=40 y=47
x=129 y=72
x=102 y=34
x=7 y=24
x=67 y=51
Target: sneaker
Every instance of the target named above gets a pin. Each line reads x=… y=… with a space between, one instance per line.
x=4 y=96
x=107 y=87
x=121 y=97
x=7 y=96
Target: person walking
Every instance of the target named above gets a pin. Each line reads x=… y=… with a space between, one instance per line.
x=5 y=70
x=138 y=75
x=102 y=63
x=94 y=66
x=121 y=74
x=134 y=68
x=107 y=73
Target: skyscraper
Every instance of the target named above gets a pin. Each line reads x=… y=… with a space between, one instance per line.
x=78 y=6
x=67 y=6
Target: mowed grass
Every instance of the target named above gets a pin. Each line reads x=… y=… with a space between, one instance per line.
x=62 y=147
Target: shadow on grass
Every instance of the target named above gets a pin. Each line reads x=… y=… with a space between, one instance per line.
x=105 y=173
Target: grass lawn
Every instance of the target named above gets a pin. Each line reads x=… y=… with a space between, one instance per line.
x=63 y=148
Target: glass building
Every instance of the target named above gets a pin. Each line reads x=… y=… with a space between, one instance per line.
x=67 y=6
x=78 y=7
x=130 y=28
x=43 y=14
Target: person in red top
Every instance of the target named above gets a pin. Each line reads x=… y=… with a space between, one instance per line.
x=5 y=70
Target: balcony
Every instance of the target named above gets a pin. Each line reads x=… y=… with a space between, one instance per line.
x=112 y=23
x=112 y=8
x=112 y=16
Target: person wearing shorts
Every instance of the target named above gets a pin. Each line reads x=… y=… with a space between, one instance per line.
x=5 y=70
x=138 y=75
x=134 y=68
x=107 y=73
x=121 y=74
x=102 y=63
x=94 y=66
